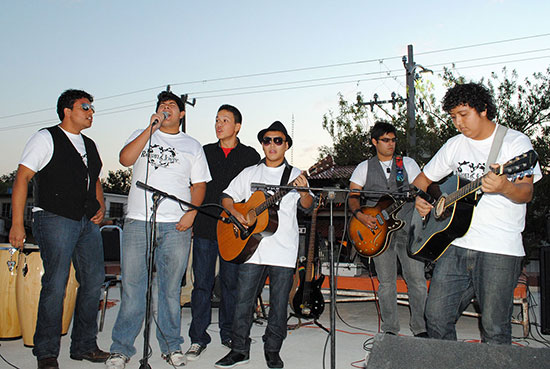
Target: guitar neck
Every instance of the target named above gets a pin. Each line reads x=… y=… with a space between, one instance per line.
x=395 y=206
x=311 y=248
x=272 y=200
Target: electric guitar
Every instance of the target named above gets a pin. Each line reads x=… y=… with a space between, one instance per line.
x=307 y=302
x=260 y=212
x=372 y=242
x=429 y=237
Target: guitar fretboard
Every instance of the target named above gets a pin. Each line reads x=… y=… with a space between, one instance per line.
x=463 y=192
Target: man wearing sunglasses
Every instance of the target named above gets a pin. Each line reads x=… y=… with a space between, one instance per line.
x=69 y=206
x=226 y=158
x=275 y=255
x=387 y=172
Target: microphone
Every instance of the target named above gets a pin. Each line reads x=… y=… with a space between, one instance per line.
x=156 y=121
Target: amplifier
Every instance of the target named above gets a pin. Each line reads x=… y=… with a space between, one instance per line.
x=343 y=270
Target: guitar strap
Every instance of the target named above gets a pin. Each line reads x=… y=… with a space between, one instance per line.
x=286 y=174
x=495 y=146
x=400 y=177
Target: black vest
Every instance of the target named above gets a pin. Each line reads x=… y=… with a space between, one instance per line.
x=61 y=187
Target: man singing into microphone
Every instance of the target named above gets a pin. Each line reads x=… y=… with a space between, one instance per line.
x=169 y=160
x=275 y=254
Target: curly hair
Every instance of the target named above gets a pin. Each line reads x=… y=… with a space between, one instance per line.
x=474 y=95
x=67 y=99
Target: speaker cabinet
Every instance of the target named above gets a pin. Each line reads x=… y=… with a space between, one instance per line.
x=397 y=352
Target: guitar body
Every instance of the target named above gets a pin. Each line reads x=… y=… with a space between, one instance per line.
x=308 y=301
x=232 y=246
x=370 y=243
x=430 y=238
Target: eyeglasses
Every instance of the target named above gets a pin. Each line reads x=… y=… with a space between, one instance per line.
x=276 y=140
x=86 y=107
x=386 y=140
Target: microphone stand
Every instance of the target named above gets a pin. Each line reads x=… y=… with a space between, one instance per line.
x=331 y=195
x=158 y=196
x=152 y=245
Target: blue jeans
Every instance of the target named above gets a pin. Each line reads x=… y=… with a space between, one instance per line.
x=461 y=273
x=205 y=253
x=62 y=240
x=413 y=273
x=250 y=279
x=170 y=262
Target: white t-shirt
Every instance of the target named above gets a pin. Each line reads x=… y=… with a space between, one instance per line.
x=497 y=222
x=359 y=175
x=281 y=248
x=176 y=161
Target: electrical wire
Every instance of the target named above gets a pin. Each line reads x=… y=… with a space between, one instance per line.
x=204 y=81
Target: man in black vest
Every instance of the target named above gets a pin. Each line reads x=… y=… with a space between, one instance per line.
x=69 y=205
x=386 y=172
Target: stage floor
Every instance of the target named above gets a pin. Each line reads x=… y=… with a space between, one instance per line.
x=305 y=347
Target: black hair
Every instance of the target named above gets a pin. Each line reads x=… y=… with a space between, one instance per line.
x=475 y=95
x=67 y=99
x=168 y=95
x=380 y=128
x=236 y=113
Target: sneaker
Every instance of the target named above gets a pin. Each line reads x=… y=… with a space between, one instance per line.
x=176 y=358
x=227 y=343
x=194 y=351
x=232 y=359
x=116 y=361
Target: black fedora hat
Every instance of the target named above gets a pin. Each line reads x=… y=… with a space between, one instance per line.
x=275 y=126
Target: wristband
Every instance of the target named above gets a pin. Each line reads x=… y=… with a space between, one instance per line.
x=356 y=211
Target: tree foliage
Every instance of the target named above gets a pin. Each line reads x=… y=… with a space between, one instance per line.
x=6 y=182
x=118 y=182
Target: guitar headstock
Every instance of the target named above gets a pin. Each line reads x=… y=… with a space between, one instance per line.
x=519 y=166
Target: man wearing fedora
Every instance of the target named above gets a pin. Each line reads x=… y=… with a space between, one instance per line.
x=275 y=255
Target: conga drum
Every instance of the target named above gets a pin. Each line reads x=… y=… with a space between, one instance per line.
x=9 y=319
x=28 y=287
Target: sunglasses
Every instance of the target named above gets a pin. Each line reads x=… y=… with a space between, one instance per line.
x=276 y=140
x=86 y=107
x=386 y=140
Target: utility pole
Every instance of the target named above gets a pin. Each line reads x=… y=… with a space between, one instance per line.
x=412 y=76
x=411 y=110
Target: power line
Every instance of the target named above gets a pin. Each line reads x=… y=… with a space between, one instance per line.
x=119 y=109
x=293 y=70
x=147 y=104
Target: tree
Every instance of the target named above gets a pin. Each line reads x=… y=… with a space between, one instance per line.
x=118 y=182
x=6 y=182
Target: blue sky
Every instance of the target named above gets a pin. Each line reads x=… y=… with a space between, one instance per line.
x=111 y=48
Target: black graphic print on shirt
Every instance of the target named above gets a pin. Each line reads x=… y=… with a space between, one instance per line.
x=160 y=157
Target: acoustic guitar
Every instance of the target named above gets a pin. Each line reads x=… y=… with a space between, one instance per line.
x=451 y=217
x=260 y=211
x=307 y=301
x=372 y=242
